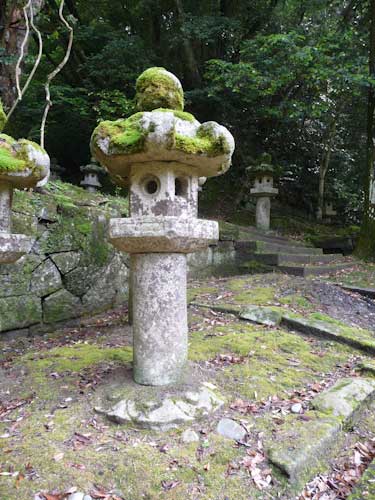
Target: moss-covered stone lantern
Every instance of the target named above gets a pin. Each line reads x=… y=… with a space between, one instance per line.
x=91 y=176
x=23 y=164
x=263 y=174
x=160 y=153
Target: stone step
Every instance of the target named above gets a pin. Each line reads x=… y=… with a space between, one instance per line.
x=233 y=232
x=360 y=339
x=248 y=248
x=365 y=292
x=257 y=234
x=268 y=238
x=311 y=270
x=302 y=448
x=279 y=259
x=345 y=398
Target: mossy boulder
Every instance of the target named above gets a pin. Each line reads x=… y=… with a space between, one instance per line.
x=158 y=88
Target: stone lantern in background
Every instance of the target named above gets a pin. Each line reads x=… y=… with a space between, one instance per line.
x=91 y=176
x=263 y=174
x=161 y=153
x=56 y=170
x=329 y=211
x=23 y=164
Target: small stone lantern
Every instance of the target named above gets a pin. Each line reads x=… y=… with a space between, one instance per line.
x=160 y=153
x=23 y=164
x=91 y=176
x=329 y=210
x=56 y=170
x=263 y=190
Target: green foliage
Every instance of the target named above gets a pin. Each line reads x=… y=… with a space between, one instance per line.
x=274 y=73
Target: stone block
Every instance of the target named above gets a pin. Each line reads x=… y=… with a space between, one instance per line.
x=300 y=449
x=344 y=399
x=61 y=306
x=19 y=312
x=162 y=234
x=45 y=279
x=262 y=315
x=66 y=261
x=331 y=331
x=110 y=287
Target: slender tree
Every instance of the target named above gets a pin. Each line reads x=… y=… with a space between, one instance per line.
x=366 y=246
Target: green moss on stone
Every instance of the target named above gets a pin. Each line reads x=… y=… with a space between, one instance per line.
x=203 y=143
x=8 y=161
x=126 y=136
x=7 y=138
x=16 y=160
x=182 y=115
x=157 y=88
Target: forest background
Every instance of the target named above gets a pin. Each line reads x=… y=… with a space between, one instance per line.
x=293 y=78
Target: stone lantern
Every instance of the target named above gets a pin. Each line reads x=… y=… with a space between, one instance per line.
x=56 y=170
x=329 y=210
x=91 y=176
x=160 y=153
x=263 y=190
x=23 y=164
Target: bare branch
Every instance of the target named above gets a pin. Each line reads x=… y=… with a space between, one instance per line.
x=57 y=70
x=20 y=58
x=36 y=64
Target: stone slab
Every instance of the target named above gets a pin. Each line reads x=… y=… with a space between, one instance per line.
x=109 y=287
x=345 y=398
x=61 y=306
x=13 y=247
x=229 y=308
x=162 y=234
x=19 y=312
x=45 y=279
x=66 y=261
x=262 y=315
x=301 y=449
x=366 y=292
x=329 y=331
x=169 y=412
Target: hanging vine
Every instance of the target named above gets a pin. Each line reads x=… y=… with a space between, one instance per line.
x=28 y=22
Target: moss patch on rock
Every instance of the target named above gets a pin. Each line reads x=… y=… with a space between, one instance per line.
x=158 y=88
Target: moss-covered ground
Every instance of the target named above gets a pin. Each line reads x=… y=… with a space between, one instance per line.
x=52 y=440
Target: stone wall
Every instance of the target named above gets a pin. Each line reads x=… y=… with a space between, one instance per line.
x=71 y=270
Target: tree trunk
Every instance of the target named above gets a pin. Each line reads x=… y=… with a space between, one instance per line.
x=192 y=75
x=324 y=165
x=366 y=245
x=12 y=37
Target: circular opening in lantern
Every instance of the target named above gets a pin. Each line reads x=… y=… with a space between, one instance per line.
x=151 y=185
